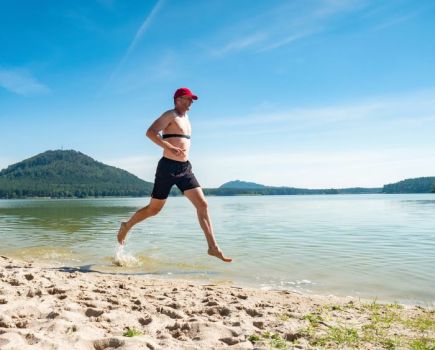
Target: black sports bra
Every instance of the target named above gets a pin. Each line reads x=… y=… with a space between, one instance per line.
x=165 y=136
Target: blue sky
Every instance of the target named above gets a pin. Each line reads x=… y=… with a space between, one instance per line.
x=321 y=93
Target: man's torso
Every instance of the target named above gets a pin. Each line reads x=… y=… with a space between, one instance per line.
x=179 y=125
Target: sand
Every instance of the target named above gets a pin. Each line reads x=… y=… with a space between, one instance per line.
x=43 y=307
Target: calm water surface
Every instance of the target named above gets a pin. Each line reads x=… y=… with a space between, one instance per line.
x=373 y=246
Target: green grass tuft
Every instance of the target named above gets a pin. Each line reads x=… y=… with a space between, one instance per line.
x=274 y=340
x=314 y=319
x=131 y=332
x=422 y=323
x=278 y=342
x=254 y=338
x=422 y=344
x=370 y=325
x=339 y=336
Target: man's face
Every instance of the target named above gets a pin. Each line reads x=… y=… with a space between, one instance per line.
x=185 y=102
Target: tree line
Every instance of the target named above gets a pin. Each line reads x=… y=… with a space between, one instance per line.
x=417 y=185
x=26 y=189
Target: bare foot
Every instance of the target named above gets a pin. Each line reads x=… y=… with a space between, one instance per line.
x=122 y=233
x=218 y=254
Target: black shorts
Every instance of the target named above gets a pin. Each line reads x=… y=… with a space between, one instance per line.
x=172 y=172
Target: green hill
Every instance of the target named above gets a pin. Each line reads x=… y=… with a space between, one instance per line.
x=417 y=185
x=237 y=187
x=241 y=184
x=68 y=174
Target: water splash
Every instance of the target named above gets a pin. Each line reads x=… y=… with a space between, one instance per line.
x=124 y=259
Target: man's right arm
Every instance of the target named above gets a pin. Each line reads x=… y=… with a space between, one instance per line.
x=153 y=132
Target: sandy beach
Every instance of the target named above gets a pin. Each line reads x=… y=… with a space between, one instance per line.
x=43 y=307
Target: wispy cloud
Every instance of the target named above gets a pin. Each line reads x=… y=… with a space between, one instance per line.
x=405 y=107
x=240 y=43
x=389 y=13
x=137 y=38
x=289 y=39
x=281 y=25
x=21 y=82
x=143 y=28
x=396 y=20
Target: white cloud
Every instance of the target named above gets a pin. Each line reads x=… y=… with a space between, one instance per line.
x=318 y=169
x=21 y=82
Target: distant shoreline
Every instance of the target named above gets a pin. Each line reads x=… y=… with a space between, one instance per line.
x=219 y=195
x=72 y=174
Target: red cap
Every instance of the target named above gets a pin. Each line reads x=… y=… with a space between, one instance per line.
x=184 y=92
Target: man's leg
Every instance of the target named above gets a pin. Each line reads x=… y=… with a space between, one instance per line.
x=151 y=209
x=196 y=196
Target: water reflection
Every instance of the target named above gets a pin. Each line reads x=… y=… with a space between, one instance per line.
x=68 y=217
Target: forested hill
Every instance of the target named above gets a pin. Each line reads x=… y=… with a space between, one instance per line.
x=237 y=187
x=68 y=174
x=241 y=185
x=417 y=185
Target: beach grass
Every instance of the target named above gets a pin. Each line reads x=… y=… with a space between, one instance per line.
x=373 y=324
x=131 y=332
x=271 y=340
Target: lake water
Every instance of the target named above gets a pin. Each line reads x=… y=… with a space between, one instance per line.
x=372 y=246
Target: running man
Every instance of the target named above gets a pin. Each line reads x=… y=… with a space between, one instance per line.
x=174 y=168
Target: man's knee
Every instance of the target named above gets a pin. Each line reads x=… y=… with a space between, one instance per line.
x=202 y=206
x=154 y=210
